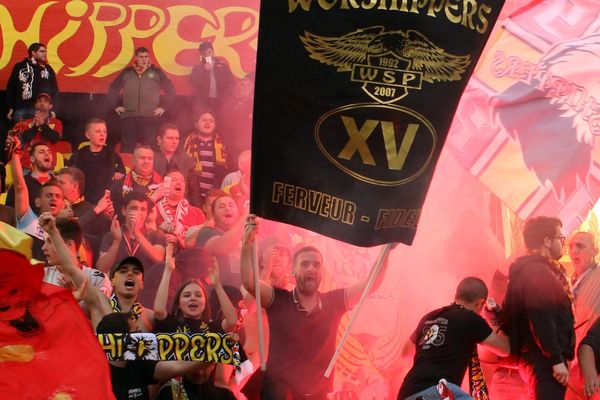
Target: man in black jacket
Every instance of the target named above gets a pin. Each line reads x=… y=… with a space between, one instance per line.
x=212 y=80
x=28 y=79
x=538 y=315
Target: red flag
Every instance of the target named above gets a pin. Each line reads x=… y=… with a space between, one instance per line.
x=47 y=347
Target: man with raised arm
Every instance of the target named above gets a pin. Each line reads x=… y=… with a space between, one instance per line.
x=302 y=323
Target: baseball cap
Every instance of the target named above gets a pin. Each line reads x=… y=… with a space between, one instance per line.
x=46 y=95
x=127 y=261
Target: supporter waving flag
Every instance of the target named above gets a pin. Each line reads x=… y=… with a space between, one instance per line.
x=353 y=102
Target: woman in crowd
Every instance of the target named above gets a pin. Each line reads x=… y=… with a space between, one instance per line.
x=191 y=313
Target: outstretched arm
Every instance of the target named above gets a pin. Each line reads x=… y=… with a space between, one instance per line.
x=95 y=299
x=162 y=293
x=21 y=191
x=68 y=265
x=246 y=263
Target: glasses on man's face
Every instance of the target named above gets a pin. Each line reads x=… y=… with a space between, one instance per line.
x=560 y=237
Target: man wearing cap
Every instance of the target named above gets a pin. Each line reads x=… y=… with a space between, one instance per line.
x=42 y=128
x=127 y=278
x=212 y=80
x=28 y=79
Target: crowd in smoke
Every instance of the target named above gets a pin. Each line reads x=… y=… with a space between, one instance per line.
x=158 y=229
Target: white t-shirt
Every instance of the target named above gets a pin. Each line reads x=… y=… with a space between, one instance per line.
x=97 y=278
x=29 y=223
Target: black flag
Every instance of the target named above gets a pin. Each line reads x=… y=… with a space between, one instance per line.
x=353 y=102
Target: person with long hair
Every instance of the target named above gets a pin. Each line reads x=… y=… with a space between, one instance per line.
x=190 y=311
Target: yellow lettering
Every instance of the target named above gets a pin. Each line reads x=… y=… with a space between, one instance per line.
x=452 y=17
x=389 y=77
x=329 y=5
x=277 y=192
x=168 y=44
x=75 y=9
x=130 y=31
x=100 y=37
x=395 y=158
x=314 y=199
x=10 y=35
x=358 y=140
x=336 y=208
x=325 y=204
x=182 y=342
x=293 y=4
x=315 y=202
x=108 y=343
x=213 y=342
x=484 y=9
x=408 y=77
x=228 y=359
x=165 y=345
x=435 y=8
x=288 y=195
x=349 y=213
x=300 y=199
x=397 y=218
x=393 y=5
x=197 y=348
x=403 y=6
x=469 y=9
x=367 y=73
x=368 y=4
x=344 y=4
x=411 y=220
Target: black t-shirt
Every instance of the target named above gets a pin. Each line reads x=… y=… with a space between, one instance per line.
x=301 y=345
x=132 y=380
x=445 y=339
x=173 y=324
x=592 y=339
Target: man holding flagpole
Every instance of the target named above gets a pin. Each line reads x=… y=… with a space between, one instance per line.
x=303 y=323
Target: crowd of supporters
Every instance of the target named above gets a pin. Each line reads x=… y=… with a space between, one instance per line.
x=161 y=209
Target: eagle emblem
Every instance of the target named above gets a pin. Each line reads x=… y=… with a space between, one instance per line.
x=389 y=64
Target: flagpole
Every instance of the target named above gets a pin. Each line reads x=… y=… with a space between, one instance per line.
x=261 y=342
x=374 y=273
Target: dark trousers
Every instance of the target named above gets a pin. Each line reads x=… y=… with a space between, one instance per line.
x=536 y=370
x=138 y=130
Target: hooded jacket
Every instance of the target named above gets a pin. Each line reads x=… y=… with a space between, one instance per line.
x=538 y=314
